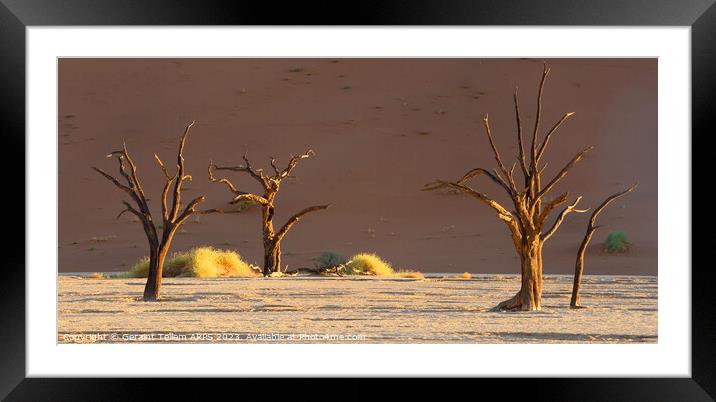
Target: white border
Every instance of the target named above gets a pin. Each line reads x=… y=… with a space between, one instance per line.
x=669 y=357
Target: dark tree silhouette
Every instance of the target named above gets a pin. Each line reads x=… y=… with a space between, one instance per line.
x=172 y=218
x=270 y=184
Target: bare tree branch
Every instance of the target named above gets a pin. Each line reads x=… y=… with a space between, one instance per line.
x=112 y=179
x=218 y=211
x=132 y=210
x=560 y=218
x=167 y=185
x=165 y=191
x=554 y=203
x=480 y=171
x=295 y=218
x=250 y=197
x=545 y=72
x=608 y=201
x=550 y=132
x=176 y=203
x=520 y=145
x=257 y=174
x=294 y=161
x=164 y=169
x=190 y=209
x=120 y=155
x=501 y=211
x=136 y=184
x=131 y=186
x=225 y=181
x=512 y=188
x=276 y=170
x=564 y=171
x=143 y=214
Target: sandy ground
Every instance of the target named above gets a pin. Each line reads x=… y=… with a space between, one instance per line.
x=381 y=129
x=621 y=309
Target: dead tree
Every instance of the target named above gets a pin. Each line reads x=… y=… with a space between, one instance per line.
x=591 y=228
x=528 y=217
x=270 y=184
x=172 y=218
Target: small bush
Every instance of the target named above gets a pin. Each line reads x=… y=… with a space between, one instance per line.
x=329 y=259
x=96 y=275
x=200 y=262
x=371 y=264
x=616 y=243
x=368 y=264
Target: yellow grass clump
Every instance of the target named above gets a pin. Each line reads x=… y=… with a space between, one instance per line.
x=200 y=262
x=464 y=275
x=404 y=273
x=371 y=264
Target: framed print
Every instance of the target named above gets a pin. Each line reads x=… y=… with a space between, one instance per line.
x=416 y=191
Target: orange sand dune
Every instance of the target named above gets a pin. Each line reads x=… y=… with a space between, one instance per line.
x=381 y=128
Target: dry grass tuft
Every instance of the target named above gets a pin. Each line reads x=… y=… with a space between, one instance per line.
x=371 y=264
x=200 y=262
x=408 y=274
x=368 y=264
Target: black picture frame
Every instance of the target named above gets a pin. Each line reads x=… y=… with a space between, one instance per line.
x=16 y=15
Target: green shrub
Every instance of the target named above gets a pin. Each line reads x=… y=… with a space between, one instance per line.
x=200 y=262
x=329 y=259
x=616 y=243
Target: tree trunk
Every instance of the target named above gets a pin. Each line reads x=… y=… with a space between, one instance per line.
x=591 y=228
x=277 y=257
x=270 y=250
x=272 y=257
x=529 y=298
x=579 y=268
x=531 y=288
x=154 y=277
